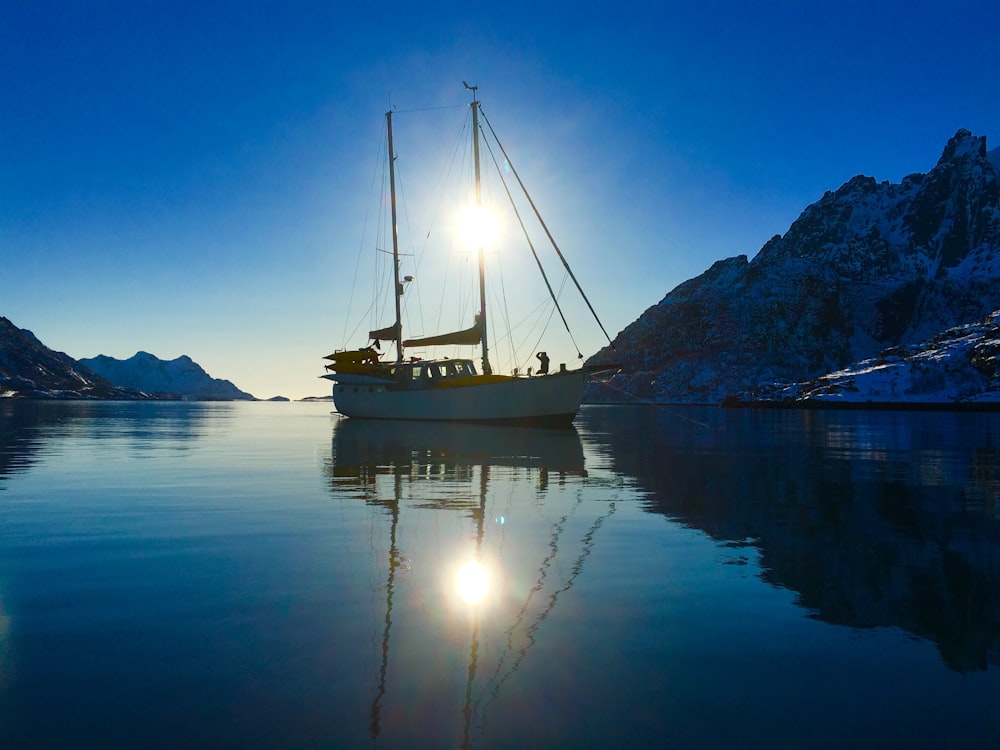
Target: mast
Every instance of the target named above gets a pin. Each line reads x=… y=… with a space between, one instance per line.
x=397 y=287
x=487 y=370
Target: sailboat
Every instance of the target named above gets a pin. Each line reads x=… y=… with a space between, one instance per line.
x=445 y=388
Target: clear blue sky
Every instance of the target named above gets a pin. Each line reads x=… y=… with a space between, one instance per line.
x=191 y=177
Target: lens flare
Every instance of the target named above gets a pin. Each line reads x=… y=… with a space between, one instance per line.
x=472 y=582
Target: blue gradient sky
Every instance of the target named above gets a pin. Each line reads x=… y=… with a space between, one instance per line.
x=192 y=178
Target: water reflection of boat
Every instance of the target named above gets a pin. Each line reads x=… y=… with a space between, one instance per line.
x=363 y=446
x=402 y=467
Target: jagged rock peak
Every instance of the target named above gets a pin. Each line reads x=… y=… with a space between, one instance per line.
x=962 y=145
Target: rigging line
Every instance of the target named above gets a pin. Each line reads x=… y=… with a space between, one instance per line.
x=524 y=230
x=419 y=252
x=533 y=317
x=536 y=311
x=506 y=312
x=442 y=180
x=588 y=545
x=431 y=109
x=650 y=402
x=543 y=570
x=358 y=325
x=511 y=360
x=461 y=137
x=545 y=327
x=377 y=291
x=548 y=320
x=361 y=245
x=547 y=232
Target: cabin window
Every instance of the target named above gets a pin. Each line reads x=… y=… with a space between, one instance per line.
x=417 y=372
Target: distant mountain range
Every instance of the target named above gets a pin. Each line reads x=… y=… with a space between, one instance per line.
x=29 y=369
x=182 y=376
x=872 y=270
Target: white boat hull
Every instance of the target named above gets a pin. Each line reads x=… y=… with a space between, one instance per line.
x=541 y=399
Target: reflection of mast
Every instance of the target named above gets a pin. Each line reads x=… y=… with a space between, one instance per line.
x=389 y=588
x=484 y=478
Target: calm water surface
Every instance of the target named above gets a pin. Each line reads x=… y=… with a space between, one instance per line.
x=268 y=575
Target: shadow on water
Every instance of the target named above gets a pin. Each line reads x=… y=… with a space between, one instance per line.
x=873 y=518
x=458 y=468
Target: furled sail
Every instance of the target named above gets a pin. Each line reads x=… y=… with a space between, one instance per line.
x=468 y=337
x=389 y=332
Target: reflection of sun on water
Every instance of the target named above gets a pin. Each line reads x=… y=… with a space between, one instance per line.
x=472 y=582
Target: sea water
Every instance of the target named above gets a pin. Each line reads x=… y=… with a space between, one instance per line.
x=262 y=575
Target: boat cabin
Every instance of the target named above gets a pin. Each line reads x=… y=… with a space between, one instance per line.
x=430 y=373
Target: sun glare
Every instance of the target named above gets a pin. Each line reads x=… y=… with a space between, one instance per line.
x=472 y=582
x=478 y=227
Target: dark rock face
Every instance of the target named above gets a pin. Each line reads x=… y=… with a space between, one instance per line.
x=957 y=367
x=29 y=369
x=869 y=266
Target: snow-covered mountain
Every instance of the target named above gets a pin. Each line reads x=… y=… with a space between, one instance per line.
x=29 y=369
x=181 y=376
x=960 y=366
x=867 y=267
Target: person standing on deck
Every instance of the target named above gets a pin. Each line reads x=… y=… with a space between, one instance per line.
x=543 y=363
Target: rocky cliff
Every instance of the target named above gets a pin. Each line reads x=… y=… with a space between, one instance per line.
x=870 y=266
x=29 y=369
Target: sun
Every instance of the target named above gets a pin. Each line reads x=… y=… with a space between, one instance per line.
x=478 y=227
